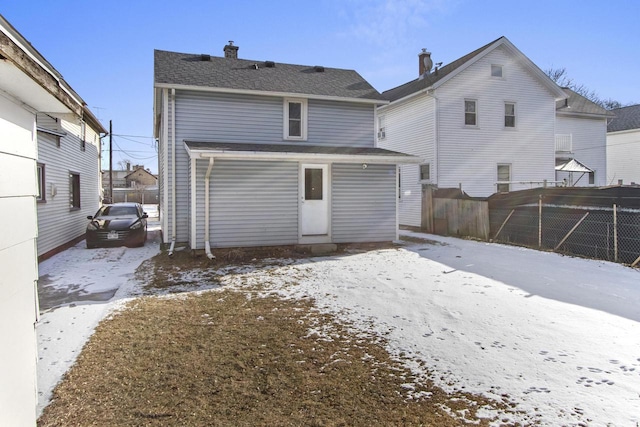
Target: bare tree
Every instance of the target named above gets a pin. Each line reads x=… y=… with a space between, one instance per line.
x=560 y=76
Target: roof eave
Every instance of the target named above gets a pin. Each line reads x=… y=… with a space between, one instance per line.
x=199 y=153
x=269 y=93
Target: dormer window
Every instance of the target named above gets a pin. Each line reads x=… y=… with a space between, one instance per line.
x=496 y=70
x=295 y=119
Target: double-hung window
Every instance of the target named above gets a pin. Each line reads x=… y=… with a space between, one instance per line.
x=425 y=172
x=504 y=177
x=295 y=119
x=382 y=131
x=509 y=115
x=74 y=190
x=470 y=112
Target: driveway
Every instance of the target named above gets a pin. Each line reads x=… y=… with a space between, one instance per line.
x=76 y=289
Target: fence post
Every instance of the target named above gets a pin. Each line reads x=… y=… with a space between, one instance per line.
x=540 y=221
x=615 y=232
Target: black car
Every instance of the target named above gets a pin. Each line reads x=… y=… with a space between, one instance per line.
x=116 y=225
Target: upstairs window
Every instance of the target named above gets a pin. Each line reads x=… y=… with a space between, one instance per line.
x=509 y=115
x=496 y=70
x=382 y=131
x=295 y=119
x=470 y=112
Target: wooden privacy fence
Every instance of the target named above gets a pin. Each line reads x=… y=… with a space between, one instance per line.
x=455 y=217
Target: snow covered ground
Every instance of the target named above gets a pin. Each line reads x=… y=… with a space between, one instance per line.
x=559 y=336
x=77 y=288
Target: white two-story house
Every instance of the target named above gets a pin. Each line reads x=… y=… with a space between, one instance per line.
x=484 y=123
x=581 y=139
x=261 y=153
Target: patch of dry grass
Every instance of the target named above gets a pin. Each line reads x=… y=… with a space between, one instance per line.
x=241 y=358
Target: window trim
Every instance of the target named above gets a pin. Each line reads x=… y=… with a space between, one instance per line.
x=500 y=183
x=496 y=66
x=74 y=202
x=428 y=178
x=476 y=113
x=303 y=119
x=41 y=196
x=515 y=115
x=382 y=128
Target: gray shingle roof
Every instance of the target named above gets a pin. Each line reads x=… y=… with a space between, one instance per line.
x=247 y=75
x=625 y=118
x=433 y=77
x=578 y=104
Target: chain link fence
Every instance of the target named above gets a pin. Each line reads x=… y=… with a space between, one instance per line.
x=611 y=234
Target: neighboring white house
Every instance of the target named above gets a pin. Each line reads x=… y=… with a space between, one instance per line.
x=623 y=146
x=259 y=153
x=581 y=135
x=485 y=123
x=69 y=177
x=29 y=86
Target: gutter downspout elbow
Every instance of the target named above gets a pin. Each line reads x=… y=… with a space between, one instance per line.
x=207 y=245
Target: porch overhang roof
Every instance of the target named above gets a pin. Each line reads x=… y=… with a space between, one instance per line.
x=294 y=152
x=572 y=166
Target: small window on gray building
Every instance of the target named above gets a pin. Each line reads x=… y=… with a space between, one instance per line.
x=41 y=196
x=74 y=190
x=496 y=70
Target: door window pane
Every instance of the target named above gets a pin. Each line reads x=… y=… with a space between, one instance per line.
x=313 y=184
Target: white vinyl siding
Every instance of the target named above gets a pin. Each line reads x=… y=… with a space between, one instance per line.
x=468 y=156
x=623 y=157
x=411 y=129
x=588 y=140
x=58 y=223
x=260 y=120
x=253 y=203
x=363 y=203
x=18 y=258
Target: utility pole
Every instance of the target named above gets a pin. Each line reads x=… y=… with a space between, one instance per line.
x=110 y=162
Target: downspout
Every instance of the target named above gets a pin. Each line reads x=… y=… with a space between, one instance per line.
x=207 y=247
x=173 y=172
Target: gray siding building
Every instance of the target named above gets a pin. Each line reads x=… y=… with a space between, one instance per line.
x=255 y=153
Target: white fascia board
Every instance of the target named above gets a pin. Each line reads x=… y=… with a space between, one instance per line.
x=308 y=157
x=24 y=45
x=269 y=93
x=583 y=115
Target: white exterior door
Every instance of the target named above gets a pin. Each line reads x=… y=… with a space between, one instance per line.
x=314 y=203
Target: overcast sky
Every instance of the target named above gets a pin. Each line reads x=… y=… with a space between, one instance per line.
x=104 y=49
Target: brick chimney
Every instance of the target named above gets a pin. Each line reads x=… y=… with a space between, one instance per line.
x=231 y=51
x=425 y=62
